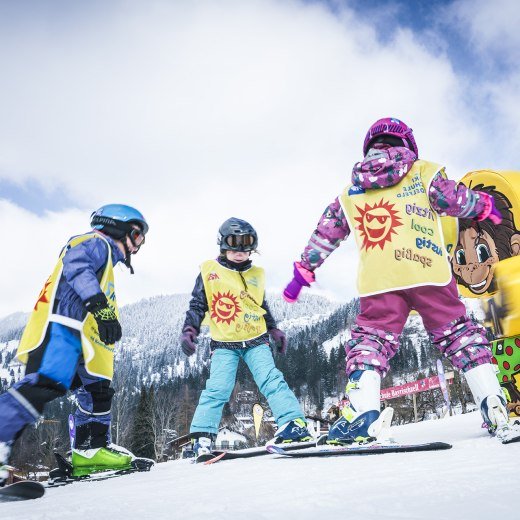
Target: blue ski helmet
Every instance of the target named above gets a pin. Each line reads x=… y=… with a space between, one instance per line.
x=237 y=235
x=116 y=220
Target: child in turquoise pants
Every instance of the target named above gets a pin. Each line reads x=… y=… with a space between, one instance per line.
x=231 y=290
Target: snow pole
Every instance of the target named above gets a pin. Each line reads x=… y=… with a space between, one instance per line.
x=72 y=431
x=443 y=385
x=258 y=414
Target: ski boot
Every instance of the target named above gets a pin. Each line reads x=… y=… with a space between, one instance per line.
x=293 y=431
x=203 y=443
x=92 y=451
x=360 y=419
x=5 y=450
x=488 y=395
x=86 y=462
x=95 y=463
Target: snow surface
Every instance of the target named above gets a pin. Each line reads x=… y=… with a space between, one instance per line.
x=473 y=480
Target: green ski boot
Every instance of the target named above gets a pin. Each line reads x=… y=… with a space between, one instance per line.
x=86 y=462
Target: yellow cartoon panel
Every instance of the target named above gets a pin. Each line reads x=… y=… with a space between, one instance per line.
x=481 y=245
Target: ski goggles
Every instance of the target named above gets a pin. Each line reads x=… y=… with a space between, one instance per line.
x=137 y=237
x=245 y=242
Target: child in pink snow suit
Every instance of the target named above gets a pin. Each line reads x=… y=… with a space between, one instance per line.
x=393 y=207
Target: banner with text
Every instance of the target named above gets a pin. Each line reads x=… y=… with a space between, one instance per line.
x=429 y=383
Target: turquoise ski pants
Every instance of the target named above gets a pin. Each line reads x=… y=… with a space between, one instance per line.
x=219 y=386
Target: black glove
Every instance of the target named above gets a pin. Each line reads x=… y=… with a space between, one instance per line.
x=108 y=325
x=189 y=341
x=279 y=339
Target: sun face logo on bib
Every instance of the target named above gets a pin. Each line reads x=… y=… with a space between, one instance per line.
x=42 y=297
x=224 y=307
x=377 y=223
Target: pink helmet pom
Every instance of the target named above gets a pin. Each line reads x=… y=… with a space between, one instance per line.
x=391 y=126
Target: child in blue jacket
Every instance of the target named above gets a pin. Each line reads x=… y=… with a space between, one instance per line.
x=68 y=342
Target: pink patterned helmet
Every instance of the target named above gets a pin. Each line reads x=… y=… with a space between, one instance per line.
x=394 y=127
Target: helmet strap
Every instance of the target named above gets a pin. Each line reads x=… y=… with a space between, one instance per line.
x=128 y=256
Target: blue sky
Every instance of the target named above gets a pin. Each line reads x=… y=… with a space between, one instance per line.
x=440 y=25
x=197 y=111
x=34 y=197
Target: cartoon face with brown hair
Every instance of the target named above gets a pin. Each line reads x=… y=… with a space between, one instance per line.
x=482 y=244
x=474 y=259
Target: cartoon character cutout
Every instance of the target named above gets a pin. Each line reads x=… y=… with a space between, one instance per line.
x=481 y=245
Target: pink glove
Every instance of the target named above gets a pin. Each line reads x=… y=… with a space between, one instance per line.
x=490 y=211
x=301 y=278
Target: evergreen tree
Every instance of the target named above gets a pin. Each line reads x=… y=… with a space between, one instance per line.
x=142 y=442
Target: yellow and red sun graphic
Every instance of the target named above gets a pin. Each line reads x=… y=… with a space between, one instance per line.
x=224 y=307
x=377 y=223
x=42 y=297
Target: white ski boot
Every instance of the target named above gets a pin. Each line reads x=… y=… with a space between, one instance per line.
x=202 y=446
x=361 y=420
x=489 y=397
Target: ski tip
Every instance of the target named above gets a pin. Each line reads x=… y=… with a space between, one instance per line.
x=210 y=457
x=322 y=440
x=511 y=441
x=22 y=490
x=440 y=446
x=215 y=459
x=272 y=448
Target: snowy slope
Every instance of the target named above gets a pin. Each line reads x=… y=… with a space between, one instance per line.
x=152 y=327
x=469 y=481
x=14 y=370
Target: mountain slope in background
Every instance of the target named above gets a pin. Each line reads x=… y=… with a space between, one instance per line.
x=150 y=345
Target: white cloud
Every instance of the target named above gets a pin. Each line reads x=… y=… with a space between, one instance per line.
x=197 y=111
x=30 y=248
x=492 y=27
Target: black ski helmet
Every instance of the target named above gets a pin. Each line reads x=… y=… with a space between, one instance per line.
x=237 y=235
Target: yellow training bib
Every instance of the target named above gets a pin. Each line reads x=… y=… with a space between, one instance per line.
x=234 y=301
x=99 y=358
x=399 y=237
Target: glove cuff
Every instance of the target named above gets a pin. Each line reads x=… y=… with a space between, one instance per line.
x=288 y=298
x=488 y=206
x=303 y=275
x=95 y=303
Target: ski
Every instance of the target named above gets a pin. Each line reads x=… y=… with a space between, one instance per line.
x=62 y=475
x=217 y=455
x=372 y=449
x=22 y=490
x=210 y=458
x=512 y=435
x=508 y=434
x=510 y=441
